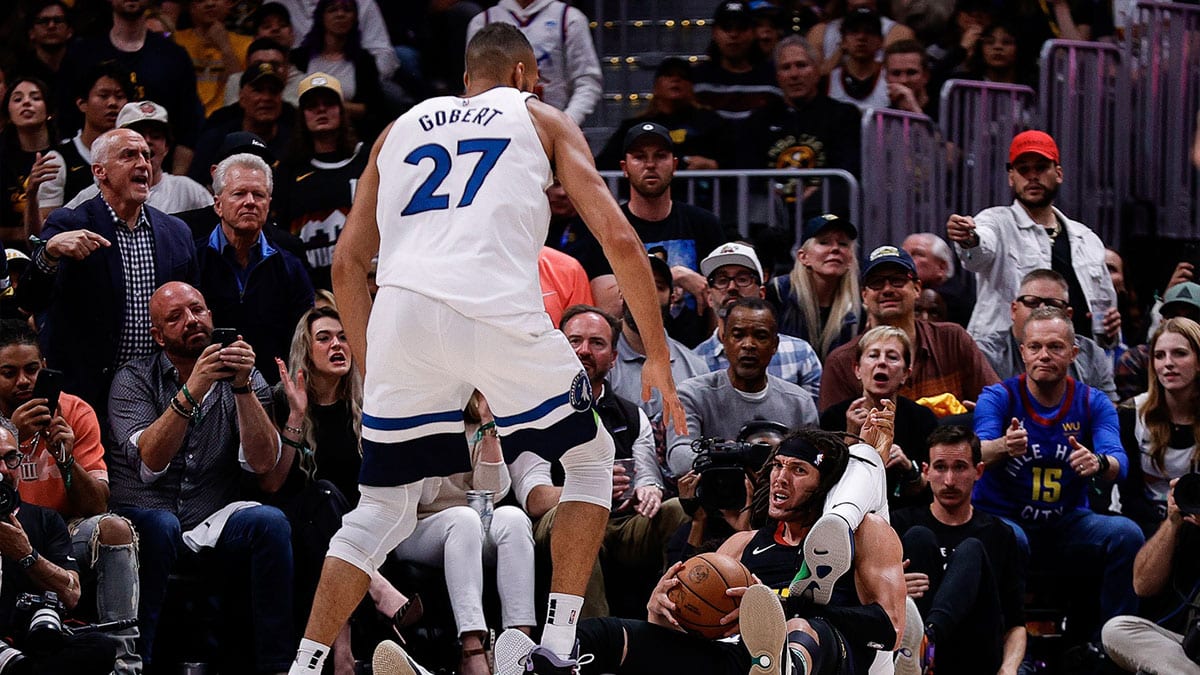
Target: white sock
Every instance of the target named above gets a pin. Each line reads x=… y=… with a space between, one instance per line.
x=310 y=658
x=562 y=613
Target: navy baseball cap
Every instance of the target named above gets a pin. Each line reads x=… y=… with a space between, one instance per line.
x=889 y=255
x=639 y=131
x=828 y=221
x=244 y=141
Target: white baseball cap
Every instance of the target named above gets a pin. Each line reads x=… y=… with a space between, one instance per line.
x=733 y=253
x=141 y=111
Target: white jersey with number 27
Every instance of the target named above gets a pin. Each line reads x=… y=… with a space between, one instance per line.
x=462 y=208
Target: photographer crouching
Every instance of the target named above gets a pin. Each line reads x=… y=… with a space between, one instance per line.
x=719 y=492
x=38 y=570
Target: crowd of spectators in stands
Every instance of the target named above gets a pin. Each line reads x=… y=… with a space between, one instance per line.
x=174 y=177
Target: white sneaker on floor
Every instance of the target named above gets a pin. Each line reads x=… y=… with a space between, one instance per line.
x=517 y=654
x=764 y=632
x=391 y=659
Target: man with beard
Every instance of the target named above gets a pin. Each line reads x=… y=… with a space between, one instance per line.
x=733 y=272
x=967 y=573
x=684 y=231
x=162 y=70
x=864 y=617
x=718 y=404
x=866 y=613
x=189 y=424
x=641 y=522
x=92 y=279
x=625 y=378
x=1002 y=244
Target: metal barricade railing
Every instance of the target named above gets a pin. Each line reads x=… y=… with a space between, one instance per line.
x=904 y=173
x=1162 y=45
x=763 y=196
x=1085 y=107
x=979 y=120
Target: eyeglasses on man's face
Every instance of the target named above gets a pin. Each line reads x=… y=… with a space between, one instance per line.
x=895 y=281
x=1035 y=301
x=12 y=458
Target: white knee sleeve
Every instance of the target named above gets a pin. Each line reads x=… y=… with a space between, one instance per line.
x=588 y=470
x=383 y=518
x=862 y=488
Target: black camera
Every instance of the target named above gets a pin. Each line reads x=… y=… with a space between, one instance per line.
x=13 y=661
x=722 y=466
x=45 y=623
x=10 y=499
x=1187 y=494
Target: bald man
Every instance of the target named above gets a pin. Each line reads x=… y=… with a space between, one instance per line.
x=189 y=423
x=98 y=266
x=453 y=199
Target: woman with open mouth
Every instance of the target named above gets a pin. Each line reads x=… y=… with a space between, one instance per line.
x=883 y=361
x=318 y=409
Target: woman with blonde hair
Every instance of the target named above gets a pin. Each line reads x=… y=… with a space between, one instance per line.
x=819 y=301
x=1162 y=428
x=882 y=363
x=318 y=409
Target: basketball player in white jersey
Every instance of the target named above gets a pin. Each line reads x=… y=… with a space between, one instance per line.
x=453 y=200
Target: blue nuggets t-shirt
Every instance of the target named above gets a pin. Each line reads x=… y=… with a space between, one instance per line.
x=1040 y=486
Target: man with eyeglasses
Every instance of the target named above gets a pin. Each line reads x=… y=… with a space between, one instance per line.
x=734 y=272
x=1003 y=243
x=1044 y=438
x=49 y=32
x=1046 y=288
x=945 y=358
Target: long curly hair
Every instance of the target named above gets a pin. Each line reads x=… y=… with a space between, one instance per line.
x=349 y=388
x=837 y=455
x=1154 y=411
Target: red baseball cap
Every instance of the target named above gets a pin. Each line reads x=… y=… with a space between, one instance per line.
x=1037 y=142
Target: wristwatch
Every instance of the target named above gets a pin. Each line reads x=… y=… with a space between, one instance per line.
x=29 y=560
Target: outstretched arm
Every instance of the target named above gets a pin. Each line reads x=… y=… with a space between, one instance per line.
x=568 y=151
x=357 y=245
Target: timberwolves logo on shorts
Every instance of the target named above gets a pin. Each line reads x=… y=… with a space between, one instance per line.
x=580 y=396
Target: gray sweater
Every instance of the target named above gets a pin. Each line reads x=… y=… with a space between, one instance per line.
x=716 y=410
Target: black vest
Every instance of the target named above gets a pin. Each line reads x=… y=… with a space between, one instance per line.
x=620 y=418
x=78 y=170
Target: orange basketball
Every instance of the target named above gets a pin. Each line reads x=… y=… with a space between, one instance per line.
x=700 y=599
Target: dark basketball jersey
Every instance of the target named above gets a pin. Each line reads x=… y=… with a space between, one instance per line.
x=312 y=201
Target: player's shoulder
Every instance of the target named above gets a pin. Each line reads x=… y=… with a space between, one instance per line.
x=736 y=544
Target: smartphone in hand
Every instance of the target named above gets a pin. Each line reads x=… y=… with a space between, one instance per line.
x=49 y=386
x=224 y=336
